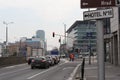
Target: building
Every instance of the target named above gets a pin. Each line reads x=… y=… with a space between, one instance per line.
x=1 y=49
x=40 y=34
x=82 y=36
x=112 y=39
x=35 y=46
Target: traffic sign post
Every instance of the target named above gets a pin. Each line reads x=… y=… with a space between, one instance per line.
x=99 y=14
x=100 y=50
x=97 y=3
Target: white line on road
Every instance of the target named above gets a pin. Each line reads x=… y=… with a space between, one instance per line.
x=74 y=72
x=15 y=65
x=37 y=74
x=21 y=64
x=45 y=71
x=10 y=67
x=67 y=68
x=13 y=71
x=91 y=68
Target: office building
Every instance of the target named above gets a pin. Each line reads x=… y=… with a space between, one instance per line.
x=82 y=36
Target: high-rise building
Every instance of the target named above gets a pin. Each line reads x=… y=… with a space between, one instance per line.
x=40 y=34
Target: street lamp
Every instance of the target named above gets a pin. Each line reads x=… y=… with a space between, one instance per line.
x=7 y=23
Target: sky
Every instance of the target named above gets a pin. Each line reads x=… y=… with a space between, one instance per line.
x=28 y=16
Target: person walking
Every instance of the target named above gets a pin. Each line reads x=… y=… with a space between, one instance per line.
x=71 y=56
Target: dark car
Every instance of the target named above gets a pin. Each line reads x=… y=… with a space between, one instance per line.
x=29 y=60
x=39 y=62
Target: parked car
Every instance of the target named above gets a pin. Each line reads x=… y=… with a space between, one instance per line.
x=29 y=59
x=56 y=59
x=39 y=62
x=50 y=59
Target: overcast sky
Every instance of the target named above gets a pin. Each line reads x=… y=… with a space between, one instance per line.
x=32 y=15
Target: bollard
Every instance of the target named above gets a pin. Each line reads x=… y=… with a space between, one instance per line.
x=82 y=69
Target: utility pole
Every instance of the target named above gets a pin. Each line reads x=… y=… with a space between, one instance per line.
x=65 y=38
x=65 y=32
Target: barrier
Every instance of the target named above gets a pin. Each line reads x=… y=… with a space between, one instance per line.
x=9 y=61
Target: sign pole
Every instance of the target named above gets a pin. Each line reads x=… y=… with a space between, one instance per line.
x=100 y=50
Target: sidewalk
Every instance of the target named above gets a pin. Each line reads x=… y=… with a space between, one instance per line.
x=91 y=71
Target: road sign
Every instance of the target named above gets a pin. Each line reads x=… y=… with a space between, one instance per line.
x=97 y=14
x=97 y=3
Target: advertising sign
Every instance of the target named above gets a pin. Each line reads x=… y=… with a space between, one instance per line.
x=97 y=14
x=97 y=3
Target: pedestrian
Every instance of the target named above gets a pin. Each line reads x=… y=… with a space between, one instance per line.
x=71 y=56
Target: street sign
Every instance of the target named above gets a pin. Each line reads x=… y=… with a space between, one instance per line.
x=97 y=3
x=97 y=14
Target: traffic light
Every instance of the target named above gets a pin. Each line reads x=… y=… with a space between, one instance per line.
x=53 y=34
x=118 y=2
x=77 y=50
x=59 y=40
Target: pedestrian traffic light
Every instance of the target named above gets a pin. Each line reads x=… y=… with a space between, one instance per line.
x=53 y=34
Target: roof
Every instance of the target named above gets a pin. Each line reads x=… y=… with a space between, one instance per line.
x=76 y=23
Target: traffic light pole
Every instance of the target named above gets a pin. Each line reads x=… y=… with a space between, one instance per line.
x=62 y=35
x=60 y=39
x=60 y=46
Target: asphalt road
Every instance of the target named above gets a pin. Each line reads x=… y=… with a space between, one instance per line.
x=62 y=71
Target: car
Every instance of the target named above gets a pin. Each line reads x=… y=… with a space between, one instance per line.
x=39 y=62
x=29 y=59
x=50 y=60
x=56 y=59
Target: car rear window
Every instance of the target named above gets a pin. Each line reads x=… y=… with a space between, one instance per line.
x=40 y=58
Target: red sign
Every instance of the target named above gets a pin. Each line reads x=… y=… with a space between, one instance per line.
x=97 y=3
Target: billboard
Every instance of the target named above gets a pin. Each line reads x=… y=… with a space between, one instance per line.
x=97 y=3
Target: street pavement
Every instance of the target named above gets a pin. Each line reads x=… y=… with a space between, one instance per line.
x=63 y=71
x=91 y=71
x=66 y=70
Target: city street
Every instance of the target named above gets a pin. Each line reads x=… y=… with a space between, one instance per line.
x=62 y=71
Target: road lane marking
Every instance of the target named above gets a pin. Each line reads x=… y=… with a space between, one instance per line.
x=45 y=71
x=21 y=64
x=67 y=68
x=37 y=74
x=73 y=73
x=14 y=71
x=10 y=67
x=14 y=66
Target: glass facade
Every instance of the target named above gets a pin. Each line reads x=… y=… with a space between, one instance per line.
x=85 y=36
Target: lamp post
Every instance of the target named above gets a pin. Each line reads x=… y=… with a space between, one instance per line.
x=6 y=43
x=65 y=38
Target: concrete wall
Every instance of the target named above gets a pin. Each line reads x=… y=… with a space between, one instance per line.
x=9 y=61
